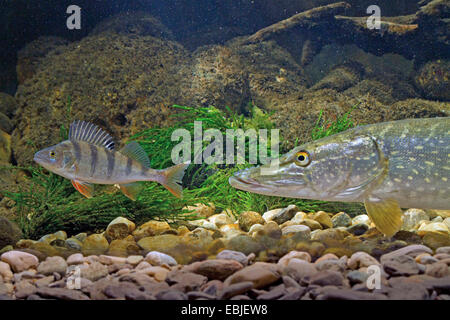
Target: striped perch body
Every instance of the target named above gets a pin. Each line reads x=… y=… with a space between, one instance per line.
x=88 y=157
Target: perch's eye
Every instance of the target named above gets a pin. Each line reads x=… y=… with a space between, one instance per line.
x=52 y=154
x=302 y=158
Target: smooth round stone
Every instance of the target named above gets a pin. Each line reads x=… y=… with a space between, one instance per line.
x=269 y=215
x=312 y=224
x=358 y=229
x=93 y=271
x=323 y=218
x=201 y=210
x=76 y=258
x=261 y=274
x=108 y=260
x=123 y=247
x=285 y=214
x=361 y=259
x=5 y=272
x=151 y=228
x=233 y=255
x=20 y=261
x=244 y=244
x=134 y=259
x=255 y=229
x=95 y=244
x=51 y=265
x=220 y=219
x=61 y=235
x=156 y=258
x=24 y=243
x=302 y=255
x=362 y=218
x=81 y=236
x=248 y=219
x=74 y=243
x=341 y=219
x=302 y=231
x=437 y=227
x=412 y=217
x=299 y=217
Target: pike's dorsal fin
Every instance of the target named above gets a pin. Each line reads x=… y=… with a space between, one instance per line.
x=89 y=132
x=134 y=151
x=385 y=214
x=85 y=188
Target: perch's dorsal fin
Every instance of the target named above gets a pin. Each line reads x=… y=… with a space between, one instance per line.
x=134 y=151
x=89 y=132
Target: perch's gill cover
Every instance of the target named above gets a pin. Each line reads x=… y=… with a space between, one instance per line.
x=50 y=203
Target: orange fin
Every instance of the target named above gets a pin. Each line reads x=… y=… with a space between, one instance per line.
x=173 y=178
x=131 y=190
x=85 y=188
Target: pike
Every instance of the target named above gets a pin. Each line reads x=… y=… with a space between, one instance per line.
x=88 y=157
x=387 y=166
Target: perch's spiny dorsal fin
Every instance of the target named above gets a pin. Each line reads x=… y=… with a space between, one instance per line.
x=134 y=151
x=89 y=132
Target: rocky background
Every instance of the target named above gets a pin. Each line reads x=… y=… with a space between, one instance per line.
x=282 y=254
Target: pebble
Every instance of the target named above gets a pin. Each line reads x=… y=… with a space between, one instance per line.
x=5 y=272
x=219 y=220
x=327 y=278
x=236 y=289
x=249 y=218
x=358 y=229
x=302 y=255
x=412 y=217
x=323 y=218
x=301 y=231
x=51 y=265
x=19 y=261
x=74 y=243
x=134 y=260
x=437 y=270
x=285 y=214
x=215 y=269
x=401 y=265
x=158 y=259
x=361 y=259
x=94 y=244
x=233 y=255
x=260 y=273
x=299 y=270
x=341 y=219
x=412 y=251
x=119 y=228
x=76 y=258
x=151 y=228
x=94 y=271
x=362 y=218
x=61 y=293
x=433 y=227
x=269 y=215
x=185 y=281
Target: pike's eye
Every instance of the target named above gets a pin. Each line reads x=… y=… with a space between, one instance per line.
x=52 y=154
x=302 y=158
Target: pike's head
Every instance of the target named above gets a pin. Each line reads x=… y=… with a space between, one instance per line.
x=57 y=159
x=338 y=167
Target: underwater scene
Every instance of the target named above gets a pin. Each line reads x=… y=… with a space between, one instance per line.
x=225 y=150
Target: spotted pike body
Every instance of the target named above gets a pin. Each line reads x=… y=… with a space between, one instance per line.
x=88 y=157
x=386 y=165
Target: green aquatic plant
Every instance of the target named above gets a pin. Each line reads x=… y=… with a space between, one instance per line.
x=50 y=203
x=324 y=128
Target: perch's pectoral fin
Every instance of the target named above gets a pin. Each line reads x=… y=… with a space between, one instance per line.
x=131 y=190
x=85 y=188
x=385 y=214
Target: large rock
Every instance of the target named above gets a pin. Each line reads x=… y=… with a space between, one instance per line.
x=261 y=274
x=8 y=104
x=119 y=228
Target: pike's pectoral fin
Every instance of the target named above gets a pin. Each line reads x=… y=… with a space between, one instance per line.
x=385 y=214
x=85 y=188
x=131 y=190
